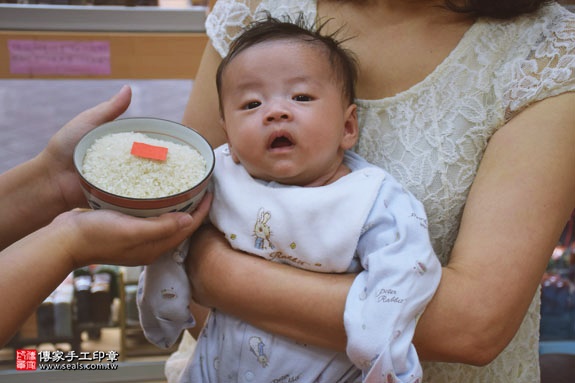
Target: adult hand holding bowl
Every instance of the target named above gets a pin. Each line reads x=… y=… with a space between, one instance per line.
x=144 y=166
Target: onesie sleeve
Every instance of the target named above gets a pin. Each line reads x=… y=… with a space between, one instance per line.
x=163 y=298
x=401 y=273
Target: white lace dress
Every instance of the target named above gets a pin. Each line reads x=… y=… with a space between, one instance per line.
x=432 y=136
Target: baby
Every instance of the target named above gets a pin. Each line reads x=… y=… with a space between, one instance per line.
x=287 y=188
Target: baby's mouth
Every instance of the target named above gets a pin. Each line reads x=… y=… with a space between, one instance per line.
x=281 y=142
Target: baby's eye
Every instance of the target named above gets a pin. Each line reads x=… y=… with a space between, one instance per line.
x=252 y=105
x=302 y=98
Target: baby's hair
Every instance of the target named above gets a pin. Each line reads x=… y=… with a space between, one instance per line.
x=342 y=61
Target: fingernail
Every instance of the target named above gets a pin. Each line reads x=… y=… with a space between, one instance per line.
x=185 y=220
x=122 y=90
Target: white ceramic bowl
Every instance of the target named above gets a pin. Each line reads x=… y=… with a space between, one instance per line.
x=146 y=207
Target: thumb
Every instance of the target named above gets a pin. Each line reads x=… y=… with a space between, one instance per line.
x=70 y=134
x=107 y=110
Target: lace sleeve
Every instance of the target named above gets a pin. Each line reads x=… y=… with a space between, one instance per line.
x=549 y=68
x=228 y=17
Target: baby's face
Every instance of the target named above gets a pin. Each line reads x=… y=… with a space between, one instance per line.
x=285 y=114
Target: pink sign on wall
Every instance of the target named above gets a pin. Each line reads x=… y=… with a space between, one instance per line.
x=57 y=57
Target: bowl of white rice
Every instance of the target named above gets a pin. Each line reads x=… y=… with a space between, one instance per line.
x=144 y=166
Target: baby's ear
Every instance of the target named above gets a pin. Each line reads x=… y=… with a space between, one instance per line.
x=232 y=152
x=234 y=156
x=351 y=128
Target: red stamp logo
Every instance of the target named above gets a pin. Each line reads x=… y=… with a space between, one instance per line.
x=26 y=360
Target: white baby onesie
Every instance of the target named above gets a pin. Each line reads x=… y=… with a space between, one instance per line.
x=365 y=220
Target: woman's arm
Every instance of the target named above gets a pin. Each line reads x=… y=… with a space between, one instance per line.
x=519 y=203
x=281 y=299
x=31 y=268
x=202 y=114
x=516 y=210
x=202 y=111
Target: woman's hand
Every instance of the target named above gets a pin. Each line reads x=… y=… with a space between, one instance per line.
x=57 y=157
x=108 y=237
x=33 y=193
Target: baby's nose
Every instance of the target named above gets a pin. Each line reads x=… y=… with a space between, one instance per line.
x=278 y=112
x=278 y=116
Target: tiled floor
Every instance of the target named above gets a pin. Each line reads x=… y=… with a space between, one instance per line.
x=31 y=111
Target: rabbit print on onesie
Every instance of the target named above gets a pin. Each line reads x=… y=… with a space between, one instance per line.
x=262 y=231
